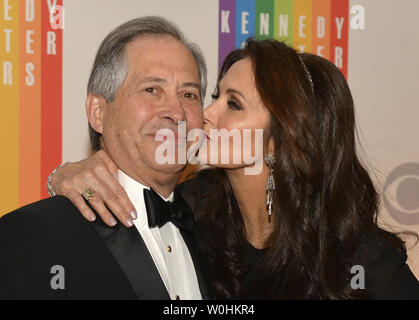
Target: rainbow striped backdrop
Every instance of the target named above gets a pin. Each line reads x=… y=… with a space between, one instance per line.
x=317 y=26
x=31 y=100
x=31 y=74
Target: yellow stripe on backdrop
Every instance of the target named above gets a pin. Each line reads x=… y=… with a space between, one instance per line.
x=9 y=105
x=302 y=25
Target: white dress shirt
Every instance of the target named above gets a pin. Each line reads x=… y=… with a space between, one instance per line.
x=166 y=246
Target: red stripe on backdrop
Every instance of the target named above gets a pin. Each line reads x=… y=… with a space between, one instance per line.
x=339 y=34
x=51 y=132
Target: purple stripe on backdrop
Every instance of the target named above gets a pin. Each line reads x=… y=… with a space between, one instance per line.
x=226 y=29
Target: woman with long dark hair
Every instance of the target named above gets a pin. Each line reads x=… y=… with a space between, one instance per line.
x=297 y=229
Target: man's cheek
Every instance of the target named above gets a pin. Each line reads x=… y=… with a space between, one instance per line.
x=196 y=119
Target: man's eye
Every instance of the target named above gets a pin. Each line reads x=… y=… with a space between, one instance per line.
x=151 y=90
x=190 y=96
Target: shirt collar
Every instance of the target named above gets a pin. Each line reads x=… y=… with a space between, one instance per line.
x=134 y=190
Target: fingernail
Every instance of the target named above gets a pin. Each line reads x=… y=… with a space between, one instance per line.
x=92 y=217
x=129 y=222
x=133 y=214
x=112 y=221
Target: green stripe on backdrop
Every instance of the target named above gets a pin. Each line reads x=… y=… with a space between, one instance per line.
x=283 y=22
x=265 y=16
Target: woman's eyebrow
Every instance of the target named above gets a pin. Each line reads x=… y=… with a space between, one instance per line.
x=230 y=90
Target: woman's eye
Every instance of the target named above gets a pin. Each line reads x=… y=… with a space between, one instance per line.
x=215 y=96
x=234 y=105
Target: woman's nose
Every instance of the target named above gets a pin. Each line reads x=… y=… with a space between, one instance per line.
x=210 y=115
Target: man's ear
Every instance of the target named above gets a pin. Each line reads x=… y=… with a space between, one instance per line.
x=95 y=106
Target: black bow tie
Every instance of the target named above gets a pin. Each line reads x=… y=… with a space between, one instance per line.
x=159 y=212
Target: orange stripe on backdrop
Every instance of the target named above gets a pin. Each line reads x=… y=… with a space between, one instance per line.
x=9 y=105
x=30 y=102
x=51 y=114
x=321 y=28
x=302 y=25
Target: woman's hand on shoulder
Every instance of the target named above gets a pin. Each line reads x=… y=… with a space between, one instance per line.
x=99 y=174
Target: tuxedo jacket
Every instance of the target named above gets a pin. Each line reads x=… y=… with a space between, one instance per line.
x=99 y=262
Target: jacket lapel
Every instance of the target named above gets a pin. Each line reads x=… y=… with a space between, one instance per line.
x=133 y=257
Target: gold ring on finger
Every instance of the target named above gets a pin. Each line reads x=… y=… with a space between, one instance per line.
x=88 y=194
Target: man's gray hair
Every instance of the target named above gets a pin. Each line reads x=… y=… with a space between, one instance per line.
x=111 y=68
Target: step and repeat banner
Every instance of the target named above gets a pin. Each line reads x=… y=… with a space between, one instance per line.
x=317 y=26
x=31 y=54
x=31 y=98
x=47 y=48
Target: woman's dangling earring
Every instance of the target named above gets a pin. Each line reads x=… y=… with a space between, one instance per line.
x=270 y=186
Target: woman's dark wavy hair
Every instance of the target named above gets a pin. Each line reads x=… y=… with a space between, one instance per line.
x=325 y=200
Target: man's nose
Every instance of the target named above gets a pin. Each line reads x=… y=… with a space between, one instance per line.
x=173 y=110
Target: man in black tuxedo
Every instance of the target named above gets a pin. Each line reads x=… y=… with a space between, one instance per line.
x=145 y=77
